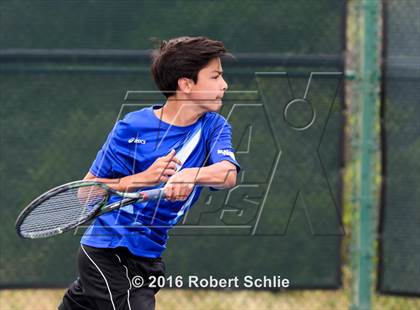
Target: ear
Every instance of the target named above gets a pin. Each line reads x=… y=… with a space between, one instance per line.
x=185 y=85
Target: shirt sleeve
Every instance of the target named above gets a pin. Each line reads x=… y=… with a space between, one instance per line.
x=111 y=160
x=220 y=144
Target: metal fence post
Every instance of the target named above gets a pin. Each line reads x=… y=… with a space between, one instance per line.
x=365 y=224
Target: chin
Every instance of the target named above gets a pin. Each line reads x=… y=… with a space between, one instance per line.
x=211 y=107
x=215 y=107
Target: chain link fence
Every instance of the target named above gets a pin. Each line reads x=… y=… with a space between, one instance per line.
x=398 y=269
x=395 y=254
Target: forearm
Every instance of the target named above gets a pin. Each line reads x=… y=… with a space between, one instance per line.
x=124 y=184
x=219 y=175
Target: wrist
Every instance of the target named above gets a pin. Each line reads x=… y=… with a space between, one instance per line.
x=125 y=184
x=194 y=175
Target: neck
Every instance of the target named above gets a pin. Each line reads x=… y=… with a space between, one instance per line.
x=178 y=112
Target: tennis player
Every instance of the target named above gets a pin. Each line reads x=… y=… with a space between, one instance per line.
x=180 y=146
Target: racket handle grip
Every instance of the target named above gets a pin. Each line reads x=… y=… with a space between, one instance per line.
x=153 y=194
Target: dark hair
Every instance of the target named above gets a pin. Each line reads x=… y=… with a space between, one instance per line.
x=182 y=57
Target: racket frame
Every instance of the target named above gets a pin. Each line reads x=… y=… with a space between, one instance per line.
x=100 y=208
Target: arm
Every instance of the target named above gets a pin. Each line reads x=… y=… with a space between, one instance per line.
x=124 y=184
x=158 y=172
x=219 y=175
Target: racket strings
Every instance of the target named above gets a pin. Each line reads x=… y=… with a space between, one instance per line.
x=63 y=210
x=59 y=207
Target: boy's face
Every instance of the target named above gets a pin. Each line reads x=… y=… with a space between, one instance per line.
x=208 y=92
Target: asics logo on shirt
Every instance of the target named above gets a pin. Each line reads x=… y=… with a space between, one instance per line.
x=137 y=140
x=226 y=153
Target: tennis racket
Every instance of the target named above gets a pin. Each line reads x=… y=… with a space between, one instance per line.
x=70 y=205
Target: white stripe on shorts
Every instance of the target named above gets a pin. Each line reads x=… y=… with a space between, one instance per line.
x=129 y=282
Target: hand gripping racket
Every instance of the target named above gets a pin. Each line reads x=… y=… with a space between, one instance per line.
x=70 y=205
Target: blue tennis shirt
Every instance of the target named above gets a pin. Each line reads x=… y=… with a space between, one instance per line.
x=131 y=147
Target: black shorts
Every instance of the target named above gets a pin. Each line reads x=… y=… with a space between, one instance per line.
x=110 y=279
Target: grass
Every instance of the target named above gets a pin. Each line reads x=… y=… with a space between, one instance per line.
x=171 y=299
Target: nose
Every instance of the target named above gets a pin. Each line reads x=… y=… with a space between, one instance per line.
x=224 y=84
